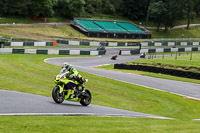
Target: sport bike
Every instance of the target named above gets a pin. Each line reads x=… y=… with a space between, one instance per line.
x=70 y=89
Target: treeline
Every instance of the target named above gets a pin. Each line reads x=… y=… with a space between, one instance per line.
x=163 y=12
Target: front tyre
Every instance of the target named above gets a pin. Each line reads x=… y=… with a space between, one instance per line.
x=86 y=98
x=57 y=97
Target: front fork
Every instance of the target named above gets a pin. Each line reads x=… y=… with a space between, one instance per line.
x=61 y=88
x=81 y=88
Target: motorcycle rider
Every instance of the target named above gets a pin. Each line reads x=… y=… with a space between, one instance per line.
x=73 y=75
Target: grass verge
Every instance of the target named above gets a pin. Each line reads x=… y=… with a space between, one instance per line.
x=193 y=32
x=92 y=124
x=185 y=62
x=26 y=20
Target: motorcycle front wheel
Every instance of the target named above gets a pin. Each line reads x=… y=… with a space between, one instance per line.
x=86 y=98
x=57 y=96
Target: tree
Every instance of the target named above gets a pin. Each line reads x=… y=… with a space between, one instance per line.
x=197 y=7
x=147 y=10
x=43 y=8
x=1 y=9
x=14 y=8
x=134 y=9
x=116 y=4
x=89 y=6
x=70 y=8
x=166 y=12
x=108 y=7
x=98 y=6
x=189 y=6
x=157 y=11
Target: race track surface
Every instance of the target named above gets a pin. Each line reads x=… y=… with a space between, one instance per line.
x=30 y=104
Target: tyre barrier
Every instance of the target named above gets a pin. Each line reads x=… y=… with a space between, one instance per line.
x=173 y=72
x=51 y=51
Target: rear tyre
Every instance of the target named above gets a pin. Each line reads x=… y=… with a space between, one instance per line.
x=57 y=97
x=86 y=98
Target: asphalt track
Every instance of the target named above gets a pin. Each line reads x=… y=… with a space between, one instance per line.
x=30 y=104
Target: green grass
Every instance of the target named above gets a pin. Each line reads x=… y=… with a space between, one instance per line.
x=177 y=33
x=57 y=19
x=11 y=20
x=175 y=62
x=16 y=20
x=196 y=20
x=110 y=17
x=92 y=124
x=28 y=73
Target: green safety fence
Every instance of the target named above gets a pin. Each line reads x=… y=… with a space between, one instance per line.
x=85 y=43
x=63 y=52
x=63 y=41
x=42 y=52
x=151 y=50
x=181 y=49
x=167 y=49
x=102 y=52
x=194 y=49
x=84 y=52
x=28 y=44
x=49 y=43
x=18 y=51
x=104 y=43
x=121 y=44
x=135 y=51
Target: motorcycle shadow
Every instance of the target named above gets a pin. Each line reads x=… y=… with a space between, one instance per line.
x=69 y=103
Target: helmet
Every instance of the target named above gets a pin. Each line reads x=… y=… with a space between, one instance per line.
x=66 y=65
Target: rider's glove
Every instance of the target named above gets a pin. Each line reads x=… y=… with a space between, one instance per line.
x=71 y=76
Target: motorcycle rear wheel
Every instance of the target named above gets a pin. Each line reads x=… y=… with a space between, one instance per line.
x=57 y=97
x=86 y=98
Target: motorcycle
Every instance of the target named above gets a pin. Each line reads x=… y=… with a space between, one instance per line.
x=70 y=89
x=143 y=55
x=114 y=57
